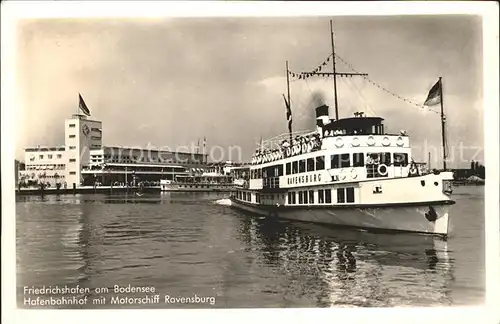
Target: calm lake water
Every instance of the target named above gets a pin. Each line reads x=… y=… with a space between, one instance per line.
x=188 y=245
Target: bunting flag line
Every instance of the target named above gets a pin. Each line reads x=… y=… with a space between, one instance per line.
x=432 y=99
x=83 y=106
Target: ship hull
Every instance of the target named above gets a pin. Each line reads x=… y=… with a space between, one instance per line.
x=426 y=218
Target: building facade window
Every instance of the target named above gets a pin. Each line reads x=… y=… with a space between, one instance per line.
x=49 y=156
x=72 y=172
x=72 y=160
x=72 y=147
x=59 y=156
x=72 y=125
x=72 y=136
x=40 y=156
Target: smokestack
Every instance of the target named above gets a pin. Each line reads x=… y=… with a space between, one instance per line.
x=322 y=115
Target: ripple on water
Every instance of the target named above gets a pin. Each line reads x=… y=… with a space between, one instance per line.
x=186 y=244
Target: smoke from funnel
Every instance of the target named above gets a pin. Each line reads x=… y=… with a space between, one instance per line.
x=318 y=99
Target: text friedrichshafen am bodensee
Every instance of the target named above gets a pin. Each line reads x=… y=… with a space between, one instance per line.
x=117 y=295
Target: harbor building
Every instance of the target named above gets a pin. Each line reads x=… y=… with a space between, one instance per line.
x=43 y=165
x=118 y=166
x=84 y=161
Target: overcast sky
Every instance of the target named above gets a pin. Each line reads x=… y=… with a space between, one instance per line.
x=168 y=82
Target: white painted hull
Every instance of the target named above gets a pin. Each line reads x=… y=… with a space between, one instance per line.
x=409 y=218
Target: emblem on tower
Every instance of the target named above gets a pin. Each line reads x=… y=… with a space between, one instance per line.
x=86 y=130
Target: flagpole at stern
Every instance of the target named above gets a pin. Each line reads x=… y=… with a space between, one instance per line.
x=443 y=123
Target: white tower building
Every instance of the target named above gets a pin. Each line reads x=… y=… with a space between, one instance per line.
x=81 y=136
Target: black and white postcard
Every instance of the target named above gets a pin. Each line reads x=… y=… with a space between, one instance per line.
x=242 y=160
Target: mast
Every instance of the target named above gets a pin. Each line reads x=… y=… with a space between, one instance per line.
x=443 y=123
x=334 y=74
x=289 y=104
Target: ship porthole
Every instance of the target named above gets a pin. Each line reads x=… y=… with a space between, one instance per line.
x=355 y=141
x=338 y=142
x=386 y=141
x=422 y=183
x=435 y=183
x=370 y=141
x=400 y=141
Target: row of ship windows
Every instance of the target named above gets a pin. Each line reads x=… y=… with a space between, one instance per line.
x=336 y=161
x=344 y=195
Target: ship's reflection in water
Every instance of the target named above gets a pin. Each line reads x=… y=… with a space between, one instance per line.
x=343 y=267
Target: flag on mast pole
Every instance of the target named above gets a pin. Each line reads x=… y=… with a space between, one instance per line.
x=434 y=96
x=83 y=106
x=288 y=114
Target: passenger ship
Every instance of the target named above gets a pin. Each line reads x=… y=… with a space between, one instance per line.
x=348 y=172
